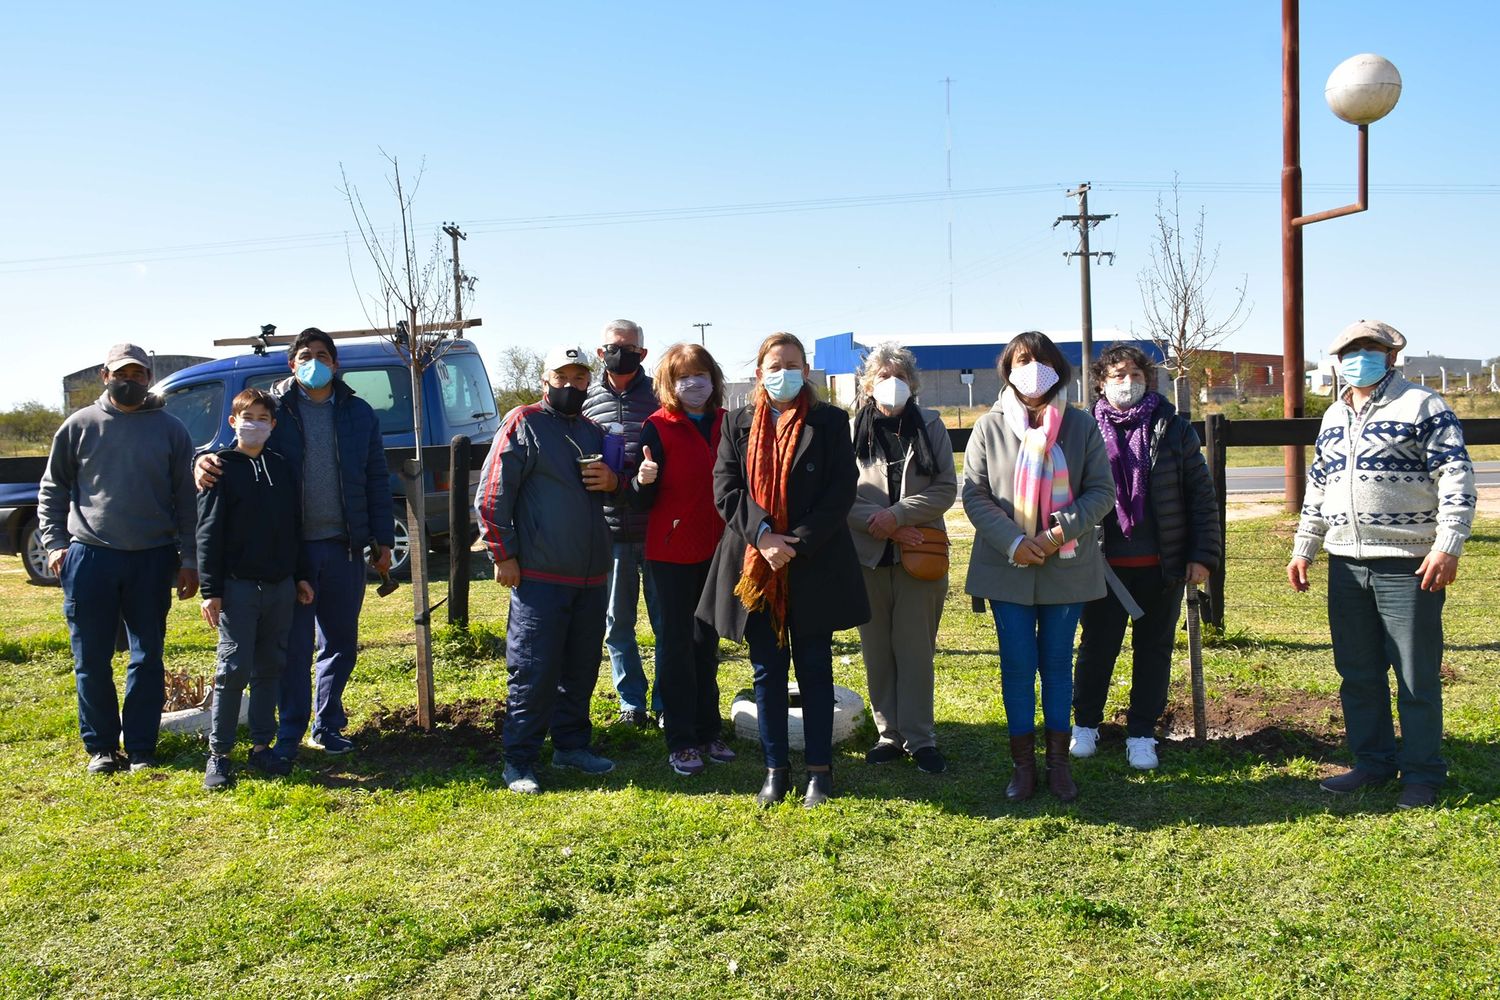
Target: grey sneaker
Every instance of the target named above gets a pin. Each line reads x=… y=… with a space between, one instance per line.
x=141 y=761
x=521 y=780
x=583 y=759
x=216 y=774
x=1353 y=780
x=103 y=763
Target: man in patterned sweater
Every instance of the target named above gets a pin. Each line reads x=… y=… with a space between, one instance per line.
x=1391 y=496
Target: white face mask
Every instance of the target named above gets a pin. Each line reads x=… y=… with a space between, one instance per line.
x=1124 y=395
x=252 y=433
x=1033 y=379
x=891 y=393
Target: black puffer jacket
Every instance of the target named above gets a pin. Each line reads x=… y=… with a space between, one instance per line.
x=1182 y=496
x=630 y=409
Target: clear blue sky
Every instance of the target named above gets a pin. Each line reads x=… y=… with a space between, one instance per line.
x=149 y=126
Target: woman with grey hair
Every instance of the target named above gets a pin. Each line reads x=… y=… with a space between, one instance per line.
x=906 y=483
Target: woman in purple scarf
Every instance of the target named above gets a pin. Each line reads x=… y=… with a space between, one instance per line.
x=1162 y=535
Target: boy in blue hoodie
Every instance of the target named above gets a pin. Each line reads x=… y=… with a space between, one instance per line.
x=250 y=575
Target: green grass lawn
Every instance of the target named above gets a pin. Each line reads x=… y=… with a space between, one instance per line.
x=407 y=869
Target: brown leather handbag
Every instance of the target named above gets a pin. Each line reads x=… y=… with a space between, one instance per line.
x=927 y=560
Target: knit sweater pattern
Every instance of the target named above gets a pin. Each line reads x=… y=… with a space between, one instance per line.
x=1391 y=481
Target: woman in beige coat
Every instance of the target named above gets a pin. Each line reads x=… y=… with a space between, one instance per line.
x=906 y=481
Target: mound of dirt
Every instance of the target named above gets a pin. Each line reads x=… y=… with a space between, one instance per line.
x=1275 y=725
x=460 y=729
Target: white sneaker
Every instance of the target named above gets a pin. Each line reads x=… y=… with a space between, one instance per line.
x=1141 y=752
x=1085 y=741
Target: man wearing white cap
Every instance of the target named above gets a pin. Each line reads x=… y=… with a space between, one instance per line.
x=118 y=514
x=1390 y=495
x=541 y=512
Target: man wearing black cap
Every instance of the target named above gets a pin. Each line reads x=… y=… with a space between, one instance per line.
x=118 y=513
x=1390 y=495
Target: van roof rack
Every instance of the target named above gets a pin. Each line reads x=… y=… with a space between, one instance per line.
x=269 y=338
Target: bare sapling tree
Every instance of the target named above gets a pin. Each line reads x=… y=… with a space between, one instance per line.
x=413 y=305
x=1177 y=298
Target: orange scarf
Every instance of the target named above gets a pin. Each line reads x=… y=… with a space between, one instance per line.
x=768 y=467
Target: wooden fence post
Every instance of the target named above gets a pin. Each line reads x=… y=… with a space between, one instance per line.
x=1216 y=444
x=459 y=541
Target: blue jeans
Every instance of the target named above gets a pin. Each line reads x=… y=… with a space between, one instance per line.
x=1380 y=619
x=338 y=580
x=1036 y=639
x=625 y=574
x=552 y=654
x=813 y=655
x=101 y=586
x=253 y=624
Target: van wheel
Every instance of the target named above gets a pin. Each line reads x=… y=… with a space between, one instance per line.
x=34 y=554
x=401 y=550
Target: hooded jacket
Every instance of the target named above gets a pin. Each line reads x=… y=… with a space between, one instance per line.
x=532 y=504
x=364 y=479
x=120 y=480
x=250 y=522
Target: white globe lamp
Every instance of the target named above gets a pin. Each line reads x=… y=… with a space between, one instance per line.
x=1363 y=89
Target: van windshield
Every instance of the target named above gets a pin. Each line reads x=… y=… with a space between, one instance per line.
x=465 y=388
x=199 y=407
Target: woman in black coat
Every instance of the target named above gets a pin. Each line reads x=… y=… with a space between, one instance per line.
x=1163 y=534
x=785 y=576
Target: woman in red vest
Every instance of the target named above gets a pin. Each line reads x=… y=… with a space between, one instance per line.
x=675 y=482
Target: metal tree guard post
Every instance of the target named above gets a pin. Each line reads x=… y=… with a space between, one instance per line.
x=1360 y=90
x=458 y=532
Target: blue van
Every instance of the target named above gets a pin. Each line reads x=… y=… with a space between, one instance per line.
x=456 y=395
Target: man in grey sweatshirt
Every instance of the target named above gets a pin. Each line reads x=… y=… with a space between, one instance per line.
x=118 y=513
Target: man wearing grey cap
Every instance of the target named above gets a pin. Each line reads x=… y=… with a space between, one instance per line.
x=1390 y=495
x=118 y=513
x=541 y=512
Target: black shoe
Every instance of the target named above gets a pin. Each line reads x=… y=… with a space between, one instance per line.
x=1415 y=795
x=104 y=763
x=819 y=789
x=884 y=753
x=636 y=717
x=930 y=760
x=268 y=762
x=1353 y=780
x=216 y=774
x=141 y=761
x=774 y=790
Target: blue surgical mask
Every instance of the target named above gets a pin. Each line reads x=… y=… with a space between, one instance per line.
x=1362 y=368
x=314 y=374
x=783 y=385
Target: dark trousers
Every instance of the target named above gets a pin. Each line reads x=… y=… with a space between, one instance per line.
x=253 y=624
x=813 y=655
x=101 y=586
x=687 y=656
x=1151 y=643
x=552 y=650
x=338 y=580
x=1381 y=619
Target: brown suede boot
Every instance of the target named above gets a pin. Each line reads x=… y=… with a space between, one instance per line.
x=1059 y=771
x=1023 y=781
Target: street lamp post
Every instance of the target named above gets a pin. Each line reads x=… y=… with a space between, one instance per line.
x=1360 y=90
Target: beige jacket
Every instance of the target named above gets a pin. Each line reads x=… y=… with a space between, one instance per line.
x=924 y=499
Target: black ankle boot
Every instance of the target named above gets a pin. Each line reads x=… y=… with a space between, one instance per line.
x=778 y=783
x=819 y=788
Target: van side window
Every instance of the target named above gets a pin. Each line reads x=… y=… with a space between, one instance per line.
x=465 y=388
x=200 y=408
x=388 y=391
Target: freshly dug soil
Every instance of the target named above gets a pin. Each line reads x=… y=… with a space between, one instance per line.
x=460 y=729
x=1275 y=725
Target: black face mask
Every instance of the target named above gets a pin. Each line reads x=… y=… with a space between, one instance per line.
x=123 y=392
x=622 y=360
x=565 y=399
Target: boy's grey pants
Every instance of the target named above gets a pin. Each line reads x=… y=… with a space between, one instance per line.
x=898 y=644
x=253 y=627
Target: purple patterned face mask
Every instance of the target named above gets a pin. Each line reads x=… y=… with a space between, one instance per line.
x=252 y=433
x=1033 y=379
x=693 y=390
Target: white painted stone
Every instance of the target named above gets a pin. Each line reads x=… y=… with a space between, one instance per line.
x=196 y=720
x=848 y=708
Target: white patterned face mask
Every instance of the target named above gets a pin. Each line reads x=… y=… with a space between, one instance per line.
x=1033 y=379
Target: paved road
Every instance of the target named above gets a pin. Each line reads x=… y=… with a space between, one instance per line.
x=1269 y=478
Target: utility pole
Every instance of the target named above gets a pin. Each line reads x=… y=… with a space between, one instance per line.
x=702 y=337
x=1084 y=221
x=453 y=232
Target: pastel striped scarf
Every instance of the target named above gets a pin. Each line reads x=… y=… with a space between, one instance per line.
x=1041 y=481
